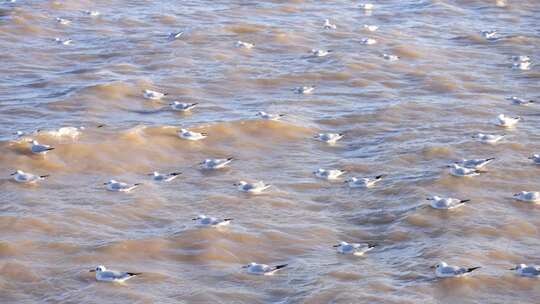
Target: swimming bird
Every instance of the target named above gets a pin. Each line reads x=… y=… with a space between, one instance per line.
x=268 y=116
x=390 y=57
x=447 y=203
x=320 y=53
x=190 y=135
x=330 y=138
x=175 y=35
x=354 y=248
x=253 y=188
x=488 y=138
x=104 y=275
x=62 y=21
x=63 y=41
x=305 y=90
x=91 y=13
x=527 y=270
x=522 y=65
x=153 y=95
x=205 y=221
x=475 y=163
x=244 y=45
x=116 y=186
x=364 y=182
x=442 y=270
x=215 y=163
x=507 y=121
x=23 y=177
x=520 y=58
x=520 y=101
x=262 y=269
x=167 y=177
x=528 y=196
x=535 y=158
x=182 y=107
x=457 y=170
x=489 y=35
x=38 y=148
x=329 y=26
x=371 y=28
x=367 y=6
x=368 y=41
x=328 y=174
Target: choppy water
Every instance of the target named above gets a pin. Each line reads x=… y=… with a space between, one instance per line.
x=406 y=119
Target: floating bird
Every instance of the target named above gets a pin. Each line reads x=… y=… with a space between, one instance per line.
x=23 y=177
x=488 y=138
x=371 y=28
x=475 y=163
x=190 y=135
x=330 y=138
x=329 y=26
x=528 y=196
x=115 y=186
x=244 y=45
x=521 y=58
x=490 y=35
x=522 y=65
x=506 y=121
x=368 y=41
x=205 y=221
x=262 y=269
x=446 y=202
x=367 y=6
x=153 y=95
x=215 y=163
x=62 y=21
x=457 y=170
x=527 y=270
x=364 y=182
x=167 y=177
x=354 y=248
x=320 y=53
x=304 y=90
x=253 y=188
x=174 y=35
x=535 y=158
x=91 y=13
x=38 y=148
x=520 y=101
x=442 y=270
x=182 y=107
x=390 y=57
x=328 y=174
x=268 y=116
x=104 y=275
x=63 y=41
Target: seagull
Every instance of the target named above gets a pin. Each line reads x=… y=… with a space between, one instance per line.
x=528 y=196
x=190 y=135
x=153 y=95
x=390 y=57
x=167 y=177
x=91 y=13
x=354 y=248
x=535 y=158
x=367 y=6
x=175 y=35
x=329 y=26
x=38 y=148
x=62 y=21
x=23 y=177
x=527 y=270
x=244 y=45
x=268 y=116
x=368 y=41
x=203 y=220
x=520 y=101
x=490 y=35
x=475 y=163
x=329 y=174
x=304 y=90
x=63 y=41
x=253 y=188
x=457 y=170
x=102 y=274
x=488 y=138
x=182 y=107
x=447 y=203
x=262 y=269
x=522 y=65
x=364 y=182
x=442 y=270
x=507 y=121
x=371 y=28
x=330 y=138
x=115 y=186
x=215 y=163
x=320 y=53
x=521 y=58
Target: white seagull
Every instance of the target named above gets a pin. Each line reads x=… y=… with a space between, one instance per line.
x=305 y=90
x=490 y=35
x=442 y=270
x=457 y=170
x=104 y=275
x=447 y=203
x=507 y=121
x=528 y=196
x=182 y=107
x=116 y=186
x=330 y=138
x=328 y=174
x=23 y=177
x=62 y=21
x=368 y=41
x=320 y=53
x=520 y=101
x=364 y=182
x=253 y=188
x=190 y=135
x=329 y=26
x=38 y=148
x=367 y=6
x=206 y=221
x=262 y=269
x=63 y=41
x=215 y=163
x=91 y=13
x=488 y=138
x=175 y=35
x=167 y=177
x=475 y=163
x=244 y=45
x=354 y=248
x=527 y=270
x=153 y=95
x=268 y=116
x=390 y=57
x=371 y=28
x=535 y=158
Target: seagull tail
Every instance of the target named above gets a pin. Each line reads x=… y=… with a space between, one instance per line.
x=44 y=176
x=372 y=245
x=134 y=273
x=227 y=219
x=175 y=173
x=473 y=269
x=230 y=158
x=280 y=266
x=137 y=184
x=490 y=159
x=464 y=201
x=49 y=149
x=379 y=177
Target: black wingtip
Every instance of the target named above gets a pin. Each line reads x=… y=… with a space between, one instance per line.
x=49 y=149
x=473 y=269
x=230 y=158
x=44 y=176
x=280 y=266
x=137 y=184
x=491 y=158
x=465 y=201
x=228 y=219
x=372 y=245
x=134 y=273
x=380 y=176
x=176 y=173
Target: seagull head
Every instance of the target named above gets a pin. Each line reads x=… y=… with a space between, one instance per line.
x=17 y=172
x=342 y=243
x=200 y=216
x=99 y=268
x=260 y=113
x=155 y=173
x=240 y=183
x=439 y=265
x=249 y=265
x=518 y=267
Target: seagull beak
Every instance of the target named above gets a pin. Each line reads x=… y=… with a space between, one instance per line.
x=93 y=270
